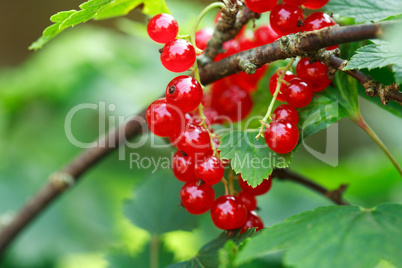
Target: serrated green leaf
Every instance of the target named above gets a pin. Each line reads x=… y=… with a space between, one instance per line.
x=208 y=256
x=332 y=237
x=159 y=212
x=365 y=10
x=251 y=157
x=96 y=9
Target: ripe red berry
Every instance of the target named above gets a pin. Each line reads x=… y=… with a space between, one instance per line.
x=178 y=55
x=314 y=73
x=315 y=4
x=249 y=82
x=265 y=34
x=248 y=200
x=281 y=136
x=185 y=92
x=260 y=6
x=197 y=199
x=286 y=112
x=298 y=93
x=228 y=213
x=202 y=37
x=210 y=170
x=285 y=19
x=316 y=21
x=183 y=167
x=230 y=100
x=194 y=140
x=162 y=28
x=295 y=2
x=273 y=82
x=260 y=189
x=253 y=221
x=163 y=119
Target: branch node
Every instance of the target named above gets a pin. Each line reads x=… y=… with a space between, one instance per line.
x=337 y=193
x=61 y=180
x=247 y=66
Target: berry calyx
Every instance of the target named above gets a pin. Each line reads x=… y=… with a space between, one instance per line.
x=286 y=112
x=178 y=55
x=228 y=213
x=315 y=4
x=197 y=199
x=185 y=92
x=298 y=93
x=183 y=167
x=162 y=28
x=285 y=19
x=314 y=73
x=253 y=221
x=210 y=170
x=281 y=136
x=163 y=119
x=202 y=37
x=260 y=6
x=248 y=200
x=260 y=189
x=273 y=82
x=194 y=140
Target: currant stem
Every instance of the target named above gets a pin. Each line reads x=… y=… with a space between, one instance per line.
x=225 y=183
x=231 y=184
x=271 y=105
x=204 y=124
x=361 y=123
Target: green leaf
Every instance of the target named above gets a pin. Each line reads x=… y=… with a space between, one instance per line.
x=251 y=157
x=329 y=106
x=365 y=10
x=96 y=9
x=208 y=256
x=341 y=236
x=158 y=211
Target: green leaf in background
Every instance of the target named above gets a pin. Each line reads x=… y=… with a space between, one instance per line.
x=251 y=157
x=377 y=55
x=329 y=106
x=96 y=9
x=365 y=10
x=122 y=259
x=208 y=256
x=155 y=206
x=338 y=236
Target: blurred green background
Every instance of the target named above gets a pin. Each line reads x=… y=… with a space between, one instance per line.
x=114 y=62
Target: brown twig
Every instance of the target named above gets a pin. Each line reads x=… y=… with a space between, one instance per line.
x=288 y=46
x=335 y=195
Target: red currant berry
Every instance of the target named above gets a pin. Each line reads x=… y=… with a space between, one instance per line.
x=273 y=83
x=315 y=4
x=286 y=112
x=197 y=199
x=316 y=21
x=249 y=82
x=178 y=56
x=260 y=6
x=298 y=93
x=163 y=119
x=231 y=47
x=210 y=170
x=183 y=167
x=194 y=140
x=185 y=92
x=231 y=100
x=281 y=136
x=295 y=2
x=260 y=189
x=285 y=19
x=248 y=200
x=253 y=221
x=202 y=37
x=162 y=28
x=314 y=73
x=265 y=35
x=228 y=213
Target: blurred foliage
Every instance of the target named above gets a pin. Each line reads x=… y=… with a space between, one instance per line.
x=86 y=226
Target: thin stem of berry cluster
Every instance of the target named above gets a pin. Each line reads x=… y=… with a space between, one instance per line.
x=271 y=105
